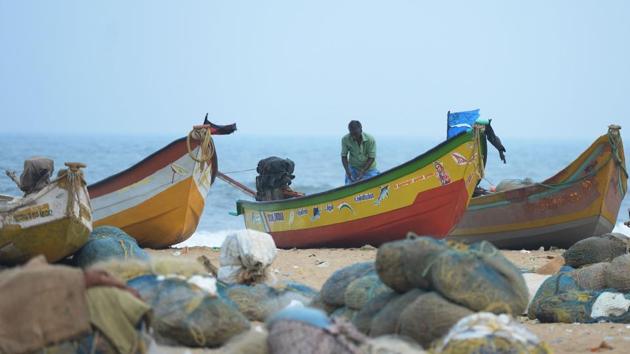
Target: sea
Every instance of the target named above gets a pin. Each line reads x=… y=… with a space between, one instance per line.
x=317 y=164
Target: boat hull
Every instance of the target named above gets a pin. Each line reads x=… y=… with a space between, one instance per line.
x=54 y=222
x=580 y=201
x=158 y=201
x=427 y=196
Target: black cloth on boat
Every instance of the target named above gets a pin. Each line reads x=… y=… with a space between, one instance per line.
x=274 y=176
x=36 y=174
x=495 y=141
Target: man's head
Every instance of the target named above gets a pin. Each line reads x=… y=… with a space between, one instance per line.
x=355 y=129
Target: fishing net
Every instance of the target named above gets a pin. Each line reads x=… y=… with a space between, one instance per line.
x=430 y=317
x=259 y=301
x=364 y=317
x=617 y=274
x=402 y=265
x=345 y=313
x=161 y=265
x=552 y=286
x=387 y=321
x=253 y=341
x=107 y=242
x=509 y=184
x=187 y=314
x=591 y=277
x=391 y=344
x=567 y=307
x=489 y=333
x=319 y=303
x=480 y=278
x=595 y=249
x=362 y=290
x=334 y=289
x=309 y=331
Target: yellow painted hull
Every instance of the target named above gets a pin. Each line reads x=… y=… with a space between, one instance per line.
x=163 y=220
x=580 y=201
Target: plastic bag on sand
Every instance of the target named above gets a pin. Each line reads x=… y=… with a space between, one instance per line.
x=403 y=265
x=488 y=333
x=258 y=302
x=595 y=249
x=246 y=256
x=107 y=242
x=430 y=317
x=188 y=312
x=391 y=344
x=480 y=278
x=334 y=289
x=309 y=331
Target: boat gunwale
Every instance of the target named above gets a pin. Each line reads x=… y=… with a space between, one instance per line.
x=137 y=164
x=486 y=201
x=387 y=176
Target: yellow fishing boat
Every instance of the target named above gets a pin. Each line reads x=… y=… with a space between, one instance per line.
x=580 y=201
x=54 y=221
x=426 y=195
x=159 y=200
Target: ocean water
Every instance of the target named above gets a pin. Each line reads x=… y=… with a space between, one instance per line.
x=317 y=160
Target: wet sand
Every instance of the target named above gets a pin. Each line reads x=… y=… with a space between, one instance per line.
x=313 y=266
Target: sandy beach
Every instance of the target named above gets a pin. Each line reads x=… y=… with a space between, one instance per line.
x=313 y=266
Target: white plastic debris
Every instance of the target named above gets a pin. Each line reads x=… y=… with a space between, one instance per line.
x=246 y=256
x=610 y=304
x=206 y=283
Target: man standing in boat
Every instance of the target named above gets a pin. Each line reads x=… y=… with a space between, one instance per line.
x=358 y=154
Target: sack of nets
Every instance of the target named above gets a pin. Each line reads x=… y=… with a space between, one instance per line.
x=595 y=249
x=334 y=289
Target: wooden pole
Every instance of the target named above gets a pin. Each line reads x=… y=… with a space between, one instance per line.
x=236 y=184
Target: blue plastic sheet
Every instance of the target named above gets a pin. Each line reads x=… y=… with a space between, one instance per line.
x=460 y=122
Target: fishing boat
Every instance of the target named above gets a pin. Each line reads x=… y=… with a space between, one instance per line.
x=159 y=200
x=426 y=195
x=580 y=201
x=54 y=221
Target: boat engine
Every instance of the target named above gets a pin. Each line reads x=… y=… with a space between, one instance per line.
x=274 y=177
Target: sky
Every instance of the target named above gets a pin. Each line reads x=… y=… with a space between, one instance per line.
x=538 y=68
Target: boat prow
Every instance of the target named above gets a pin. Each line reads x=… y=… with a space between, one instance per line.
x=55 y=221
x=159 y=201
x=580 y=201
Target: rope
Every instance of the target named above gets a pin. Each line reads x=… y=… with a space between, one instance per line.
x=206 y=145
x=239 y=171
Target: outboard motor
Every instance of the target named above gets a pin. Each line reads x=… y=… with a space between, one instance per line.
x=273 y=180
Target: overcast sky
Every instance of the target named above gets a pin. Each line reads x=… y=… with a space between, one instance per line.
x=539 y=67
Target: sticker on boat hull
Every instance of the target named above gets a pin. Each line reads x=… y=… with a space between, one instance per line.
x=441 y=172
x=345 y=206
x=382 y=195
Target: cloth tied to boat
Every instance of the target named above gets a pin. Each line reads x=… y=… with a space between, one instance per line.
x=36 y=174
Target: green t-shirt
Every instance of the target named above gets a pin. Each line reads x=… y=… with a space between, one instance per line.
x=359 y=154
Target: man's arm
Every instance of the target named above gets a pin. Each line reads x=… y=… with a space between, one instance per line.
x=365 y=167
x=344 y=162
x=344 y=159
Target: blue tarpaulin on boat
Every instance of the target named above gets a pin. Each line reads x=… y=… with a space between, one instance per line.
x=460 y=122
